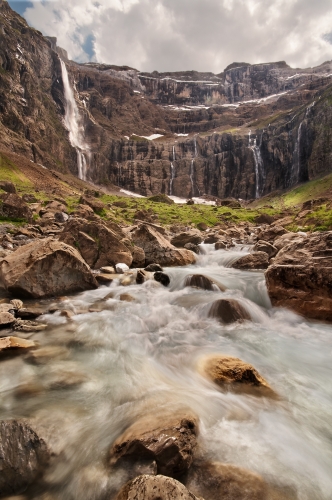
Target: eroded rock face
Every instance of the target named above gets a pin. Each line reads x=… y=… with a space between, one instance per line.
x=228 y=311
x=169 y=440
x=256 y=260
x=301 y=276
x=45 y=268
x=23 y=456
x=148 y=487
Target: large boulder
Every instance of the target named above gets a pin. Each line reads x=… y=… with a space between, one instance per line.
x=167 y=439
x=193 y=236
x=149 y=487
x=45 y=268
x=13 y=207
x=158 y=249
x=228 y=311
x=264 y=246
x=301 y=276
x=256 y=260
x=23 y=456
x=98 y=244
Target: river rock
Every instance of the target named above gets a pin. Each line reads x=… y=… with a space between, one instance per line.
x=27 y=326
x=17 y=304
x=30 y=312
x=265 y=246
x=271 y=233
x=212 y=238
x=13 y=343
x=44 y=268
x=153 y=268
x=43 y=355
x=138 y=257
x=158 y=249
x=98 y=244
x=162 y=278
x=192 y=247
x=141 y=277
x=193 y=236
x=23 y=456
x=159 y=487
x=264 y=219
x=126 y=297
x=201 y=281
x=256 y=260
x=301 y=276
x=228 y=311
x=104 y=278
x=216 y=481
x=6 y=319
x=167 y=439
x=220 y=245
x=121 y=268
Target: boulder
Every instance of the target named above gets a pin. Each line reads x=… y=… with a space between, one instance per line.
x=201 y=281
x=271 y=233
x=192 y=247
x=228 y=311
x=61 y=217
x=264 y=246
x=13 y=207
x=212 y=238
x=158 y=249
x=104 y=278
x=220 y=245
x=121 y=268
x=138 y=257
x=216 y=481
x=192 y=236
x=162 y=278
x=27 y=326
x=98 y=245
x=229 y=202
x=301 y=276
x=30 y=312
x=152 y=268
x=223 y=370
x=97 y=206
x=288 y=238
x=161 y=198
x=126 y=297
x=23 y=456
x=167 y=439
x=256 y=260
x=264 y=219
x=202 y=226
x=149 y=487
x=45 y=268
x=6 y=319
x=8 y=186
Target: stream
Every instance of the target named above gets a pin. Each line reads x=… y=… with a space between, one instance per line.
x=120 y=360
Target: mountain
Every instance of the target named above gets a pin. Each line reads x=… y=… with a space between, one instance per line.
x=245 y=132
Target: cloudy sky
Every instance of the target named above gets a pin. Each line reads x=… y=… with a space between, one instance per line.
x=172 y=35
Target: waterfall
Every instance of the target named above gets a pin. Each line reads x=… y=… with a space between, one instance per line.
x=74 y=125
x=172 y=174
x=191 y=175
x=296 y=167
x=259 y=164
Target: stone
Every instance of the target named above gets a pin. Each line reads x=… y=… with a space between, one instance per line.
x=108 y=269
x=149 y=487
x=98 y=245
x=201 y=281
x=193 y=236
x=212 y=238
x=264 y=246
x=126 y=297
x=153 y=268
x=256 y=260
x=301 y=275
x=17 y=304
x=29 y=312
x=288 y=238
x=158 y=249
x=271 y=233
x=61 y=217
x=161 y=198
x=202 y=226
x=162 y=278
x=220 y=245
x=169 y=439
x=6 y=319
x=29 y=198
x=217 y=481
x=44 y=268
x=141 y=277
x=13 y=207
x=121 y=268
x=8 y=186
x=264 y=219
x=104 y=278
x=229 y=202
x=27 y=326
x=192 y=247
x=97 y=206
x=228 y=311
x=138 y=257
x=14 y=343
x=23 y=456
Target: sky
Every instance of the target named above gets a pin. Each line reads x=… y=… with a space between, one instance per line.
x=177 y=35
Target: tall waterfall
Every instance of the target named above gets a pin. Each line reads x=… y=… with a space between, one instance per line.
x=172 y=174
x=191 y=175
x=259 y=164
x=74 y=124
x=296 y=166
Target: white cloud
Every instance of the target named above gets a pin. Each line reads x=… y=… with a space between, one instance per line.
x=205 y=35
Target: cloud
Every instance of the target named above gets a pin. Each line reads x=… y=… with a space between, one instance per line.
x=172 y=35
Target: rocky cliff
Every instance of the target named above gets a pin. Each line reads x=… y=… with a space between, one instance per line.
x=247 y=131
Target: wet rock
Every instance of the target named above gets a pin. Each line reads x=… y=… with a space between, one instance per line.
x=256 y=260
x=228 y=311
x=193 y=236
x=121 y=268
x=264 y=246
x=23 y=456
x=216 y=481
x=288 y=238
x=6 y=319
x=27 y=326
x=141 y=277
x=138 y=257
x=14 y=343
x=271 y=233
x=44 y=268
x=108 y=269
x=126 y=297
x=201 y=281
x=14 y=207
x=153 y=268
x=192 y=247
x=45 y=354
x=162 y=278
x=104 y=278
x=148 y=487
x=301 y=276
x=220 y=245
x=167 y=439
x=212 y=238
x=29 y=312
x=224 y=370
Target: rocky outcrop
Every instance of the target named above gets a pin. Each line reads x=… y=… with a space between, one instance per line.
x=45 y=268
x=228 y=311
x=167 y=439
x=148 y=487
x=158 y=249
x=256 y=260
x=301 y=275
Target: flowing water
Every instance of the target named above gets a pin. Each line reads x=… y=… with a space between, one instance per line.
x=259 y=165
x=132 y=358
x=172 y=174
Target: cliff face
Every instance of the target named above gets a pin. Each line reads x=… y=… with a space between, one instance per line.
x=242 y=133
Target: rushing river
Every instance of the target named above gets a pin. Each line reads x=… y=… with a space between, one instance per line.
x=129 y=358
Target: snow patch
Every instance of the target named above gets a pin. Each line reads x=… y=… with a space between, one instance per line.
x=131 y=193
x=150 y=137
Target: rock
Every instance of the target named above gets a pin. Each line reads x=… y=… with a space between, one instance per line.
x=158 y=249
x=97 y=206
x=153 y=268
x=121 y=268
x=190 y=202
x=140 y=277
x=126 y=297
x=23 y=456
x=264 y=246
x=301 y=276
x=288 y=238
x=223 y=370
x=167 y=439
x=256 y=260
x=12 y=206
x=212 y=238
x=159 y=487
x=201 y=281
x=264 y=219
x=61 y=217
x=216 y=481
x=271 y=233
x=104 y=278
x=161 y=198
x=138 y=257
x=202 y=226
x=6 y=319
x=192 y=247
x=220 y=245
x=13 y=343
x=108 y=269
x=17 y=304
x=98 y=245
x=8 y=186
x=29 y=312
x=45 y=354
x=228 y=311
x=27 y=326
x=229 y=202
x=162 y=278
x=193 y=236
x=45 y=268
x=29 y=198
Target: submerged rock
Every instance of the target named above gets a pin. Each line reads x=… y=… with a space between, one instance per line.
x=257 y=260
x=159 y=487
x=228 y=311
x=201 y=281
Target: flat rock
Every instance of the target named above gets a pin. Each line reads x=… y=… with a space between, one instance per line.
x=104 y=278
x=30 y=312
x=27 y=326
x=228 y=311
x=159 y=487
x=271 y=233
x=9 y=343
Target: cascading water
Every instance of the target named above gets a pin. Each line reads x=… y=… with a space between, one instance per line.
x=74 y=124
x=259 y=165
x=114 y=361
x=296 y=167
x=172 y=174
x=192 y=171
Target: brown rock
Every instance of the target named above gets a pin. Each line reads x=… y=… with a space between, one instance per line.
x=264 y=246
x=45 y=354
x=168 y=439
x=257 y=260
x=104 y=278
x=138 y=257
x=201 y=281
x=228 y=311
x=288 y=238
x=159 y=487
x=192 y=236
x=27 y=326
x=212 y=238
x=126 y=297
x=12 y=206
x=29 y=312
x=220 y=245
x=271 y=233
x=264 y=219
x=44 y=268
x=202 y=226
x=6 y=319
x=17 y=304
x=97 y=206
x=9 y=343
x=8 y=186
